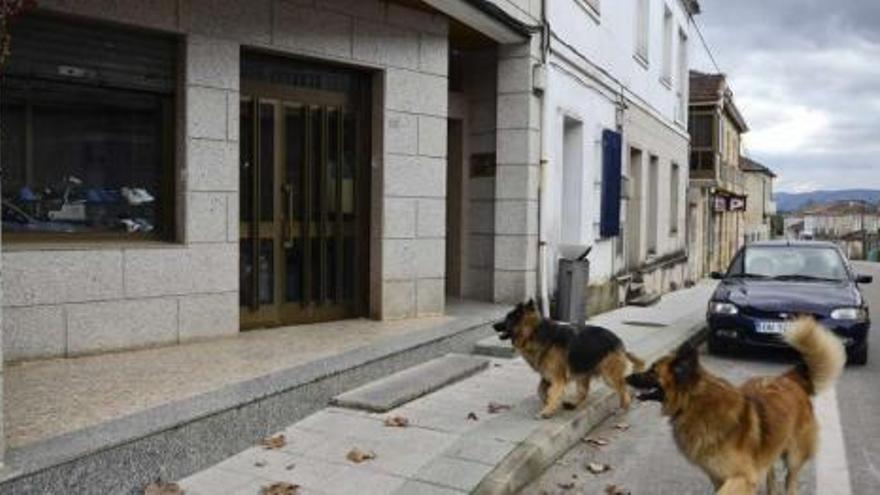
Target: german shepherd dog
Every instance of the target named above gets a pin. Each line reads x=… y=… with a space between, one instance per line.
x=561 y=353
x=736 y=434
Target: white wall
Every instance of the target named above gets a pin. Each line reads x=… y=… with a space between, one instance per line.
x=608 y=41
x=591 y=69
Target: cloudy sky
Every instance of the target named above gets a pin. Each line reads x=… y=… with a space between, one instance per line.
x=806 y=74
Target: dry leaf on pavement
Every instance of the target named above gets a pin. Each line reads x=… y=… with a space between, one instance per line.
x=621 y=426
x=358 y=456
x=495 y=408
x=616 y=490
x=279 y=488
x=598 y=467
x=472 y=416
x=596 y=442
x=160 y=487
x=566 y=486
x=396 y=421
x=274 y=442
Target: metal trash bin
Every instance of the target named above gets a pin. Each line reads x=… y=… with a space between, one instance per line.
x=571 y=281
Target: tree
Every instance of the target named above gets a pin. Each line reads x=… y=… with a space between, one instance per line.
x=777 y=226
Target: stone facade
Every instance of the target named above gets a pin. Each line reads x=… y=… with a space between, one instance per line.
x=65 y=300
x=717 y=180
x=760 y=208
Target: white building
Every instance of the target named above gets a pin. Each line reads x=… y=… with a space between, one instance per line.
x=617 y=67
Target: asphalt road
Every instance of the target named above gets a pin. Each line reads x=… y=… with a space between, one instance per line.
x=644 y=460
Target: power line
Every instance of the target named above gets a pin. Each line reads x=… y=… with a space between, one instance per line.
x=705 y=44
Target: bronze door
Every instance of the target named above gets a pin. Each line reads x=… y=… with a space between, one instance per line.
x=303 y=214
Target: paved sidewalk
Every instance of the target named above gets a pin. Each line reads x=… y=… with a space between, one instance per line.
x=443 y=451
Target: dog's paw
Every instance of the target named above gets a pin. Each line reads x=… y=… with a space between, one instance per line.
x=545 y=414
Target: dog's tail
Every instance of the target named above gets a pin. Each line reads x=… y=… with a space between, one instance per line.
x=823 y=354
x=638 y=364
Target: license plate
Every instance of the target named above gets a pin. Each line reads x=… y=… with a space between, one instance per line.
x=773 y=327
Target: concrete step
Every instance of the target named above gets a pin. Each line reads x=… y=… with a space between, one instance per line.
x=648 y=299
x=494 y=347
x=410 y=384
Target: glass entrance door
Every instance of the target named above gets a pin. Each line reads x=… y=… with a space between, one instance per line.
x=302 y=232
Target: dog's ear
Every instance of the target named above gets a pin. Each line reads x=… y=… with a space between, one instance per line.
x=685 y=364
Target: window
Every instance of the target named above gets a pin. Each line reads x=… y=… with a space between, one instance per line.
x=666 y=76
x=642 y=29
x=611 y=182
x=572 y=179
x=792 y=262
x=681 y=88
x=88 y=132
x=674 y=186
x=653 y=203
x=701 y=126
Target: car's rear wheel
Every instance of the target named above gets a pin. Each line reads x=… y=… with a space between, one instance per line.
x=859 y=355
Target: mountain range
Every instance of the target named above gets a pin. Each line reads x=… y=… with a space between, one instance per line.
x=786 y=202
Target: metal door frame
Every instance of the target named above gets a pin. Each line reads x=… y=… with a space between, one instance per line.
x=283 y=228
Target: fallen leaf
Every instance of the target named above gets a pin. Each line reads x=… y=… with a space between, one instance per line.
x=396 y=421
x=274 y=442
x=495 y=408
x=598 y=467
x=160 y=487
x=279 y=488
x=596 y=442
x=358 y=456
x=621 y=427
x=260 y=463
x=472 y=416
x=616 y=490
x=566 y=486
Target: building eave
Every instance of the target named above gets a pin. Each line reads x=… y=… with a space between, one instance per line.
x=485 y=17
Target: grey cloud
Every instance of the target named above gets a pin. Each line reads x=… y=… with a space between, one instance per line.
x=817 y=54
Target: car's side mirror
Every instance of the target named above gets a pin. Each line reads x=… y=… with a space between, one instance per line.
x=864 y=279
x=716 y=276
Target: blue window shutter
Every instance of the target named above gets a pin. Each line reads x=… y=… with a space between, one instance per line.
x=609 y=225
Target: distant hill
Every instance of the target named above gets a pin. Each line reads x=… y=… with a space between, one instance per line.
x=786 y=202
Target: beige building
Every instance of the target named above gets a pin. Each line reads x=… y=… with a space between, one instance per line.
x=760 y=206
x=717 y=200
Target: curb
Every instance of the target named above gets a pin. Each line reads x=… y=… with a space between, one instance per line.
x=538 y=451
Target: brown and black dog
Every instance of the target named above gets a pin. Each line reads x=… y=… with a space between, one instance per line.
x=560 y=353
x=735 y=434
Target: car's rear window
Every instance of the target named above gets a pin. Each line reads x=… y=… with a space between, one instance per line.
x=791 y=261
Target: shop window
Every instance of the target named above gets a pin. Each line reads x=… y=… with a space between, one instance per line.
x=87 y=141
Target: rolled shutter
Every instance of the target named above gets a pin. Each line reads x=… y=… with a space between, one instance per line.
x=64 y=49
x=609 y=225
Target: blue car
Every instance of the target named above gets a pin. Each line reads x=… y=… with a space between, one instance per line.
x=770 y=283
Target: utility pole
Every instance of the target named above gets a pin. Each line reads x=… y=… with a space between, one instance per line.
x=864 y=231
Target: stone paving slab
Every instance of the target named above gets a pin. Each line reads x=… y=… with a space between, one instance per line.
x=443 y=451
x=405 y=386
